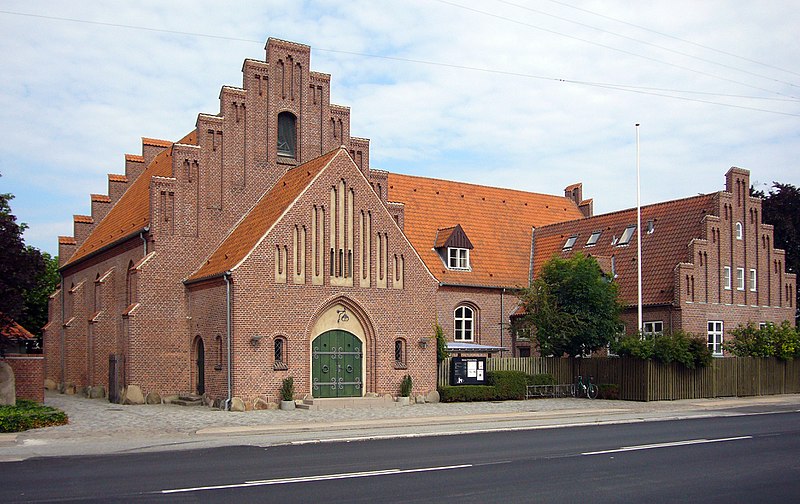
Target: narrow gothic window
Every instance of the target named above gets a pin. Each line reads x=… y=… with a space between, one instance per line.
x=280 y=354
x=287 y=134
x=399 y=353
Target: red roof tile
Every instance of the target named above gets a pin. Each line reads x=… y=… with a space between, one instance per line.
x=132 y=212
x=85 y=219
x=266 y=212
x=675 y=224
x=497 y=221
x=117 y=178
x=134 y=157
x=101 y=198
x=67 y=240
x=156 y=142
x=15 y=331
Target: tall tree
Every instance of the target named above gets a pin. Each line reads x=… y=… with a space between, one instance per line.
x=572 y=307
x=781 y=208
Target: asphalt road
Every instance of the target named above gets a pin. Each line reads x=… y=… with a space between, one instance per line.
x=731 y=459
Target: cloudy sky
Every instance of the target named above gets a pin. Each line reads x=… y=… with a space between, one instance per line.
x=532 y=95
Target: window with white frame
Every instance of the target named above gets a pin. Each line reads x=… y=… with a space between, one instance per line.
x=653 y=328
x=626 y=235
x=715 y=337
x=569 y=243
x=739 y=232
x=464 y=321
x=753 y=280
x=457 y=258
x=593 y=238
x=739 y=278
x=726 y=277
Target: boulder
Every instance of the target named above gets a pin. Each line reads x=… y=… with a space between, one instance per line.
x=169 y=398
x=8 y=387
x=237 y=404
x=70 y=389
x=432 y=397
x=50 y=384
x=419 y=399
x=153 y=398
x=97 y=392
x=133 y=395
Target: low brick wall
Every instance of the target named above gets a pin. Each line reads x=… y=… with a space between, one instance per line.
x=28 y=375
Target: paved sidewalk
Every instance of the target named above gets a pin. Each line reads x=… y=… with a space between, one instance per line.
x=97 y=426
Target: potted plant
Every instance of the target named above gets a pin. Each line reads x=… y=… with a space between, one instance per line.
x=405 y=390
x=287 y=393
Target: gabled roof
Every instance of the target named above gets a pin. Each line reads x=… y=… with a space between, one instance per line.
x=497 y=221
x=260 y=219
x=13 y=330
x=132 y=212
x=675 y=224
x=452 y=237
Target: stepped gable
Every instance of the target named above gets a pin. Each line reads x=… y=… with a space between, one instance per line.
x=497 y=222
x=131 y=213
x=259 y=220
x=674 y=225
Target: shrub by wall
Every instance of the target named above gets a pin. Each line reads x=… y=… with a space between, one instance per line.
x=467 y=393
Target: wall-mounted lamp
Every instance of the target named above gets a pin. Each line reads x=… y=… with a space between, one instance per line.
x=254 y=339
x=423 y=343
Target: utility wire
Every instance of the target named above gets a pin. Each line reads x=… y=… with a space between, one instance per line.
x=618 y=87
x=623 y=51
x=651 y=44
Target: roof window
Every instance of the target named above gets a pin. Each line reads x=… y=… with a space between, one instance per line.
x=569 y=243
x=626 y=235
x=593 y=239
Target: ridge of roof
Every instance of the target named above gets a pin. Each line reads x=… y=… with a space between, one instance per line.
x=132 y=211
x=255 y=224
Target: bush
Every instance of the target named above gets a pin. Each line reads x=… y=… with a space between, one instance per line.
x=608 y=391
x=441 y=344
x=29 y=415
x=782 y=341
x=682 y=347
x=406 y=386
x=287 y=389
x=508 y=384
x=541 y=379
x=467 y=393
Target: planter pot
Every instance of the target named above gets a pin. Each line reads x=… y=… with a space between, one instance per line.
x=287 y=405
x=404 y=401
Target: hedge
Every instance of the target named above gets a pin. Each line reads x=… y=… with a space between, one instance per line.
x=29 y=415
x=467 y=393
x=508 y=384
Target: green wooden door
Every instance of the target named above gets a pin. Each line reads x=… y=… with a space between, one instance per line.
x=336 y=365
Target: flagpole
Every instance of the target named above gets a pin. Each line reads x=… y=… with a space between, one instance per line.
x=638 y=232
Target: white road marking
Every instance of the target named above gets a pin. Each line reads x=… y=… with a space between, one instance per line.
x=667 y=445
x=322 y=477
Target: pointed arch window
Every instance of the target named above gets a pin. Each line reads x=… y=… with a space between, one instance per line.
x=287 y=134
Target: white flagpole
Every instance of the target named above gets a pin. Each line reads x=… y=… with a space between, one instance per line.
x=638 y=231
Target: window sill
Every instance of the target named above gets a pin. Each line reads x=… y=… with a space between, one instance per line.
x=280 y=366
x=400 y=365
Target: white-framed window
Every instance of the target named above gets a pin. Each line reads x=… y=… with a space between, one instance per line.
x=464 y=323
x=715 y=337
x=739 y=278
x=726 y=277
x=593 y=239
x=457 y=258
x=753 y=277
x=739 y=232
x=626 y=235
x=653 y=328
x=762 y=325
x=569 y=243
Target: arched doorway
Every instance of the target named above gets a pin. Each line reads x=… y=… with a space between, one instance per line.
x=200 y=355
x=336 y=364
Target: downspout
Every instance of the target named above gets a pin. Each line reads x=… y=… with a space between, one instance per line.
x=63 y=335
x=227 y=277
x=146 y=229
x=502 y=319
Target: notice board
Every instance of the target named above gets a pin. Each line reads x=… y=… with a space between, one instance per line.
x=468 y=371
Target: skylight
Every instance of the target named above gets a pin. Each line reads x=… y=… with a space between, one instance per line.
x=593 y=239
x=626 y=235
x=570 y=242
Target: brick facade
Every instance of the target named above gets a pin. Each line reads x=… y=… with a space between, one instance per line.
x=28 y=375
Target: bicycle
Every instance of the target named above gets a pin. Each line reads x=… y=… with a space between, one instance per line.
x=588 y=389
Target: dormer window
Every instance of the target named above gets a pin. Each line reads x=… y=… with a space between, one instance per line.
x=457 y=258
x=626 y=235
x=593 y=239
x=453 y=247
x=569 y=243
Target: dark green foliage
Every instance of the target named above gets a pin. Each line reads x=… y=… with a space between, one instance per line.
x=405 y=386
x=572 y=307
x=541 y=379
x=29 y=415
x=608 y=391
x=441 y=344
x=508 y=384
x=287 y=389
x=781 y=341
x=684 y=348
x=467 y=393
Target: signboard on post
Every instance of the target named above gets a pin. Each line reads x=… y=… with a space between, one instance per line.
x=468 y=371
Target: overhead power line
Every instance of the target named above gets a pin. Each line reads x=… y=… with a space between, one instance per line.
x=618 y=87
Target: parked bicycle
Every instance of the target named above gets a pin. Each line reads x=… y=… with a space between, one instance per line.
x=588 y=389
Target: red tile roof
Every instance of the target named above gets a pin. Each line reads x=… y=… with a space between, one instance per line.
x=117 y=178
x=67 y=240
x=101 y=198
x=675 y=224
x=132 y=212
x=15 y=331
x=497 y=221
x=156 y=142
x=85 y=219
x=134 y=157
x=266 y=212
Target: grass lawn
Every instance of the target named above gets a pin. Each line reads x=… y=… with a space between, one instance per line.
x=29 y=415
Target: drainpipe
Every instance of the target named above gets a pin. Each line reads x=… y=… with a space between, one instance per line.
x=502 y=315
x=63 y=334
x=227 y=277
x=144 y=240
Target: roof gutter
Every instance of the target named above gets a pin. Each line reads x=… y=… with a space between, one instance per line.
x=475 y=286
x=139 y=232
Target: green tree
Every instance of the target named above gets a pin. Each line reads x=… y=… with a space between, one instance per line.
x=572 y=307
x=781 y=208
x=37 y=296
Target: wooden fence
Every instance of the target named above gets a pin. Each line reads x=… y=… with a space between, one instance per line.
x=640 y=380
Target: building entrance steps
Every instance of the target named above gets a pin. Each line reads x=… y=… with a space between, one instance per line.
x=188 y=400
x=347 y=403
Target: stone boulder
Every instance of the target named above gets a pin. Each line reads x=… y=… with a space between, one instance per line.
x=133 y=395
x=152 y=398
x=50 y=384
x=8 y=387
x=260 y=403
x=419 y=399
x=97 y=392
x=237 y=404
x=432 y=397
